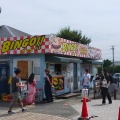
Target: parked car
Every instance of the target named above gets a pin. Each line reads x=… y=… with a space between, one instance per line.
x=116 y=76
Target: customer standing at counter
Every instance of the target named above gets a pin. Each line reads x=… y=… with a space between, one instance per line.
x=48 y=86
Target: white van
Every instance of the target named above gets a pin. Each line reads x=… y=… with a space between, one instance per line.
x=116 y=76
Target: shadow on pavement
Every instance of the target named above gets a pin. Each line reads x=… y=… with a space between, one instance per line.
x=4 y=115
x=60 y=109
x=97 y=105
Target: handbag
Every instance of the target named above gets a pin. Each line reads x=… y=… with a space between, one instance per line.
x=104 y=82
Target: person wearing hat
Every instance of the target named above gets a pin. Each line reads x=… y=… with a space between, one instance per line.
x=16 y=85
x=105 y=83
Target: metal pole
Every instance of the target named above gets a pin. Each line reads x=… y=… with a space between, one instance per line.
x=118 y=83
x=113 y=57
x=94 y=89
x=0 y=9
x=115 y=94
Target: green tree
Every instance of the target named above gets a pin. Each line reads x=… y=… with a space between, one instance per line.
x=106 y=66
x=73 y=35
x=99 y=69
x=117 y=69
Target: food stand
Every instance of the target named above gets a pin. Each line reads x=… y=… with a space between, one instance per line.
x=61 y=77
x=36 y=53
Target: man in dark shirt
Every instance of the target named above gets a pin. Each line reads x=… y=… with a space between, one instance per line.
x=16 y=85
x=110 y=77
x=112 y=86
x=48 y=85
x=105 y=82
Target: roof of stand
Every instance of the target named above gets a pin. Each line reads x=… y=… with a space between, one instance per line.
x=94 y=62
x=6 y=31
x=61 y=59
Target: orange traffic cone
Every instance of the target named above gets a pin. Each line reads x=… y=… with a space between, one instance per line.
x=84 y=114
x=87 y=100
x=119 y=114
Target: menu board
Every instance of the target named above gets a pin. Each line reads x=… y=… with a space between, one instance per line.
x=58 y=82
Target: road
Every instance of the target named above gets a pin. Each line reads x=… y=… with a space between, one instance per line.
x=63 y=109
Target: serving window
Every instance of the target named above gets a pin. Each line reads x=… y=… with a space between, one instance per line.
x=55 y=69
x=58 y=69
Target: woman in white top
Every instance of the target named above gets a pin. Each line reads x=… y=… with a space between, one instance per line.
x=86 y=80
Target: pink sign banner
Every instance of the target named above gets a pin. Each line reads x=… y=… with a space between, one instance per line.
x=67 y=47
x=94 y=53
x=47 y=44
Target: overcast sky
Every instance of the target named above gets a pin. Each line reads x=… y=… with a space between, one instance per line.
x=97 y=19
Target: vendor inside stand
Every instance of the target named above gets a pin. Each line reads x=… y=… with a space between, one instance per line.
x=58 y=68
x=57 y=76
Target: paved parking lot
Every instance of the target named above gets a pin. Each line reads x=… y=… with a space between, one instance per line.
x=104 y=112
x=28 y=116
x=68 y=109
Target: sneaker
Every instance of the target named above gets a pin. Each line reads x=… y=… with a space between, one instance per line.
x=103 y=103
x=24 y=109
x=110 y=102
x=10 y=112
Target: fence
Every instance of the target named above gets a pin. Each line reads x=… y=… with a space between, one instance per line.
x=97 y=91
x=117 y=90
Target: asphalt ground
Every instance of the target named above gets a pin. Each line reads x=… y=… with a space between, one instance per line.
x=67 y=109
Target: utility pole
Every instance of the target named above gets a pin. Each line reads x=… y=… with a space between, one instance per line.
x=113 y=57
x=0 y=9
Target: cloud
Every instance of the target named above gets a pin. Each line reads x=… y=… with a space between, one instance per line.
x=98 y=19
